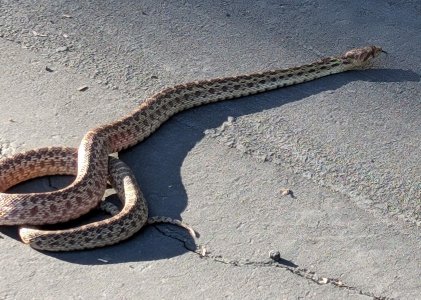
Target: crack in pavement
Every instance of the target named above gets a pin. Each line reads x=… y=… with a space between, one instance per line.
x=275 y=262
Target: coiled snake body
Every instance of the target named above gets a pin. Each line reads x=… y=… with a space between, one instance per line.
x=92 y=166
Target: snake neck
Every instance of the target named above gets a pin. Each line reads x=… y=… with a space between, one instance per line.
x=157 y=109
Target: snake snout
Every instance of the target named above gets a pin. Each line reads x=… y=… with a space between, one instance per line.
x=362 y=55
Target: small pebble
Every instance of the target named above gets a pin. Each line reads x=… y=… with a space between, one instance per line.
x=203 y=251
x=275 y=255
x=285 y=192
x=209 y=131
x=230 y=144
x=62 y=49
x=83 y=88
x=38 y=34
x=323 y=280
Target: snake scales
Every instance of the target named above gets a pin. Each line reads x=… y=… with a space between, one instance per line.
x=91 y=165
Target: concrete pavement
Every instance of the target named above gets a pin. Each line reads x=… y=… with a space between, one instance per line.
x=346 y=145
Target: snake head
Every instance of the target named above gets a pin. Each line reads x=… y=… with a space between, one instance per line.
x=361 y=56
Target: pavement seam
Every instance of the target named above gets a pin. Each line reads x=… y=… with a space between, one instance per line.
x=361 y=200
x=275 y=262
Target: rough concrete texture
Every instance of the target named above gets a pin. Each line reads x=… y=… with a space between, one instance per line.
x=347 y=146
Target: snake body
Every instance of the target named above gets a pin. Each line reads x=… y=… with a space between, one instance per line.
x=91 y=163
x=105 y=232
x=123 y=223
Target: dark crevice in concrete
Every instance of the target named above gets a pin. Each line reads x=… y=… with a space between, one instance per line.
x=275 y=262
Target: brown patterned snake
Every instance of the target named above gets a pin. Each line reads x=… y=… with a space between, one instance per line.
x=92 y=162
x=120 y=226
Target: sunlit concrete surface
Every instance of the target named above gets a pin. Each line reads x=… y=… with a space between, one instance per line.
x=346 y=146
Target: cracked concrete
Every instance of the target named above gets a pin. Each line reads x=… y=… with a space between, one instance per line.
x=276 y=261
x=346 y=147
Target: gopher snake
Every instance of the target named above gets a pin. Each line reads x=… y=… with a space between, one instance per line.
x=91 y=164
x=120 y=226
